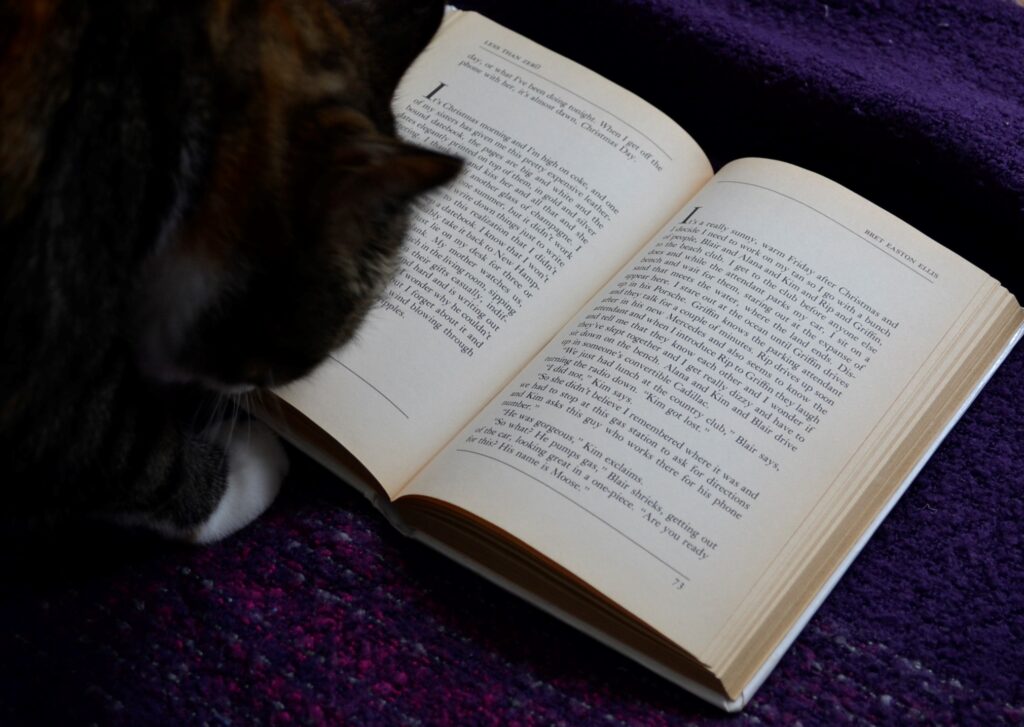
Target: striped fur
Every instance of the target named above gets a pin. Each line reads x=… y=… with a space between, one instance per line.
x=196 y=198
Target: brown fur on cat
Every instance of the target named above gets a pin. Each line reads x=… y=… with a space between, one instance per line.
x=194 y=196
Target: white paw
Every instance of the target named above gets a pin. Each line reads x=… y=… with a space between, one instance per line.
x=257 y=464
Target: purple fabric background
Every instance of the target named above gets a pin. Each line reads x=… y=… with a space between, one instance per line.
x=321 y=613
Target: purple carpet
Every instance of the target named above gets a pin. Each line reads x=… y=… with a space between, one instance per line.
x=321 y=614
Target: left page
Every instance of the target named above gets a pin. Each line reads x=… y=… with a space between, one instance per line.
x=567 y=175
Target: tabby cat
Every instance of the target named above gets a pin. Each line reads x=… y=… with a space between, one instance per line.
x=195 y=196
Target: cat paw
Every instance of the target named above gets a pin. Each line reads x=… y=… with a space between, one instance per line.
x=257 y=465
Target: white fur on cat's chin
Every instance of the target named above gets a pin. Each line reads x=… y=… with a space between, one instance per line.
x=257 y=465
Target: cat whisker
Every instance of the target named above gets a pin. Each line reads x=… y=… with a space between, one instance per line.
x=242 y=411
x=234 y=416
x=217 y=414
x=207 y=410
x=274 y=404
x=247 y=405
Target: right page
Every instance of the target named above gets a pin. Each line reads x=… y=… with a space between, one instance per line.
x=704 y=412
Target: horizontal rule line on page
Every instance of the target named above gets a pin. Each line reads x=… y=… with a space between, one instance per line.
x=566 y=497
x=860 y=237
x=381 y=393
x=582 y=98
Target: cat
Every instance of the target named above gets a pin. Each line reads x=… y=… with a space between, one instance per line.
x=198 y=196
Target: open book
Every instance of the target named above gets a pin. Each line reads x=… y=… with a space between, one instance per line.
x=665 y=405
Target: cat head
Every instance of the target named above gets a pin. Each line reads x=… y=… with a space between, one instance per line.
x=293 y=191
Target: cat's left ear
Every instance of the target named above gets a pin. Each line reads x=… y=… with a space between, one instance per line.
x=400 y=171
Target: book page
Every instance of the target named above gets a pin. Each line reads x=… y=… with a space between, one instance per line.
x=672 y=438
x=566 y=176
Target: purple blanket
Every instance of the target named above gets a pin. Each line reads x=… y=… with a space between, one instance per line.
x=321 y=613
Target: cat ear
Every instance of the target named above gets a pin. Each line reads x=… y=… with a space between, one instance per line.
x=399 y=170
